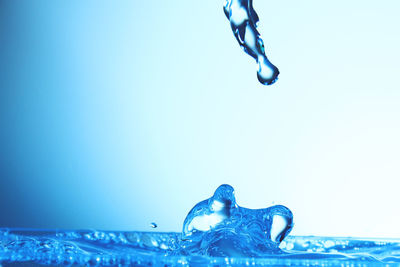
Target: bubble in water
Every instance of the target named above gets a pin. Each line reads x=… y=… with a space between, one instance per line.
x=244 y=20
x=153 y=225
x=219 y=227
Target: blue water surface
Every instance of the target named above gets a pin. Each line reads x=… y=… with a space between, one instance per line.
x=106 y=248
x=216 y=232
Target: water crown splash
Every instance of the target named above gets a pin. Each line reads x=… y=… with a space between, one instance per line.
x=219 y=227
x=244 y=19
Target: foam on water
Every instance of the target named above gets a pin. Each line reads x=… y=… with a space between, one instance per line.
x=244 y=19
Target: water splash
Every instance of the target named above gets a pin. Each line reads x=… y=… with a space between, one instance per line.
x=219 y=227
x=216 y=232
x=244 y=19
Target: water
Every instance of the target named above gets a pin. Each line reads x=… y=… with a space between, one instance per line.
x=244 y=20
x=219 y=227
x=216 y=232
x=98 y=248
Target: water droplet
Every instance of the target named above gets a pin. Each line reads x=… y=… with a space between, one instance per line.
x=153 y=225
x=244 y=20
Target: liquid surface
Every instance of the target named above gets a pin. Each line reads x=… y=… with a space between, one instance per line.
x=97 y=248
x=244 y=19
x=216 y=232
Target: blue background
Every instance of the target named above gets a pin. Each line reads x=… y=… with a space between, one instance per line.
x=115 y=114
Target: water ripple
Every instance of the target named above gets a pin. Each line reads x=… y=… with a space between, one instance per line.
x=94 y=248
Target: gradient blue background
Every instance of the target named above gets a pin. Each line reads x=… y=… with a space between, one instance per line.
x=114 y=114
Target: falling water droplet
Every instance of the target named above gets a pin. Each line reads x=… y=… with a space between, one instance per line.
x=153 y=225
x=244 y=20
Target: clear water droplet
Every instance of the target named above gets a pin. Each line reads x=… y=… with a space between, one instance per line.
x=153 y=225
x=244 y=21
